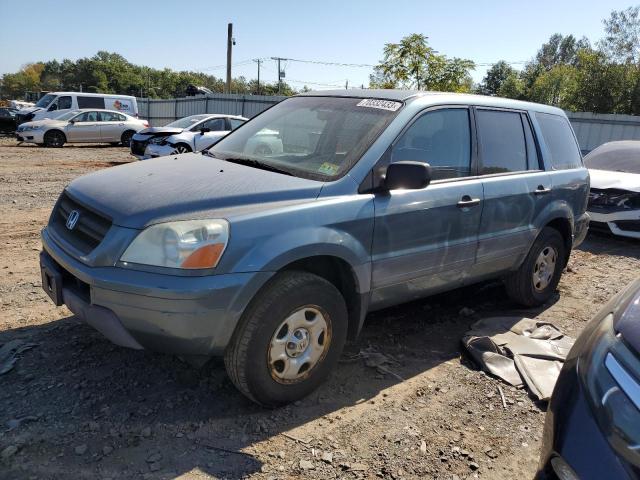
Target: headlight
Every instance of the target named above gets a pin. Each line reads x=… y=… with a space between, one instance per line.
x=31 y=127
x=158 y=140
x=607 y=369
x=191 y=244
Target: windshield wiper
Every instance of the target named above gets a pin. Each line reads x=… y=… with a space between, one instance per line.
x=252 y=162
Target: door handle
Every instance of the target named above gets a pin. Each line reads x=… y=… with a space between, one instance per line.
x=541 y=190
x=467 y=201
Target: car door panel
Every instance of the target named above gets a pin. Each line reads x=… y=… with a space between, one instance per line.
x=85 y=129
x=423 y=241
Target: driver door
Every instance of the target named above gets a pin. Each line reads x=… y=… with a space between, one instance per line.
x=216 y=128
x=426 y=240
x=85 y=128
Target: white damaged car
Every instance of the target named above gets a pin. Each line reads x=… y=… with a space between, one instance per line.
x=197 y=137
x=614 y=198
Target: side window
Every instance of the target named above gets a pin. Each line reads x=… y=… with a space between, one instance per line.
x=441 y=138
x=90 y=102
x=502 y=145
x=235 y=123
x=215 y=125
x=64 y=103
x=560 y=141
x=87 y=117
x=109 y=117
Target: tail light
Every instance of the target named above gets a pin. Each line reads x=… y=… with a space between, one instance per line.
x=146 y=124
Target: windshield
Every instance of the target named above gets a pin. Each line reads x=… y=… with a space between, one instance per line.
x=615 y=157
x=46 y=100
x=187 y=122
x=68 y=115
x=312 y=137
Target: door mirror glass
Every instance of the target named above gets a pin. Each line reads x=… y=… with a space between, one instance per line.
x=204 y=130
x=407 y=175
x=53 y=107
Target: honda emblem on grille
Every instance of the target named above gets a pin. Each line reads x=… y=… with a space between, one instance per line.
x=72 y=219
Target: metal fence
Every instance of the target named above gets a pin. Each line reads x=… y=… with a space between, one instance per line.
x=594 y=129
x=591 y=129
x=161 y=112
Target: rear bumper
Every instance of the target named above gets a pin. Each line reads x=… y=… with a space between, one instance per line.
x=624 y=223
x=165 y=313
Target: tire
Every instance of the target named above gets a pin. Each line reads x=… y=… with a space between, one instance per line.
x=182 y=148
x=290 y=298
x=54 y=139
x=533 y=283
x=125 y=139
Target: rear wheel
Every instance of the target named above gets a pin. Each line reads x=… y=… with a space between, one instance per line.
x=125 y=139
x=288 y=340
x=538 y=276
x=182 y=148
x=54 y=139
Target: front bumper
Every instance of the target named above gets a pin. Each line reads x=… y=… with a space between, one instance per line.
x=625 y=223
x=571 y=433
x=165 y=313
x=154 y=150
x=30 y=136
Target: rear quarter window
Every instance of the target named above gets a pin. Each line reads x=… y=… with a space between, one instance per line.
x=561 y=144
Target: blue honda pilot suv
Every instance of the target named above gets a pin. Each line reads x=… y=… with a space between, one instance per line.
x=272 y=246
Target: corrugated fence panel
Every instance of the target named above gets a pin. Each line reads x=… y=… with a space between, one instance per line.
x=161 y=112
x=594 y=129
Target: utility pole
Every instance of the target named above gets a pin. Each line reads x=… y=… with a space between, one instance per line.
x=258 y=61
x=278 y=59
x=230 y=43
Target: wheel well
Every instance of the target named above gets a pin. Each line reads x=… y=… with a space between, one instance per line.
x=563 y=226
x=130 y=132
x=338 y=272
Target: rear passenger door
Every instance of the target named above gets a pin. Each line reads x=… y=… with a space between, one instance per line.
x=111 y=126
x=516 y=189
x=425 y=240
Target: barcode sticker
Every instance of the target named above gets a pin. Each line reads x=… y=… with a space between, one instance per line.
x=380 y=104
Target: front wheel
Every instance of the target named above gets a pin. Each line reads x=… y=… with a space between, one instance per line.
x=538 y=276
x=182 y=148
x=288 y=340
x=54 y=139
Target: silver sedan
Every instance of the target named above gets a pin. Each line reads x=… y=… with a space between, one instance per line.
x=82 y=126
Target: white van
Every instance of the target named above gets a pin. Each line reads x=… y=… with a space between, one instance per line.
x=54 y=104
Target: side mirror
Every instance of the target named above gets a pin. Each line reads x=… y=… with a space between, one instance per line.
x=204 y=130
x=72 y=121
x=53 y=107
x=407 y=175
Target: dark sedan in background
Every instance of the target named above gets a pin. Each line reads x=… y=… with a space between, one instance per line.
x=592 y=429
x=7 y=119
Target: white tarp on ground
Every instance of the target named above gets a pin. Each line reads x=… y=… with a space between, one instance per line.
x=520 y=351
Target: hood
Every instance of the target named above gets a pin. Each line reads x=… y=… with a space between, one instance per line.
x=184 y=187
x=27 y=110
x=154 y=131
x=43 y=122
x=627 y=315
x=604 y=179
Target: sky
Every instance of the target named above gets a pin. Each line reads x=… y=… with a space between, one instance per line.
x=191 y=35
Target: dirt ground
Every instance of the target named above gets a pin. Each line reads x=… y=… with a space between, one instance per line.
x=76 y=406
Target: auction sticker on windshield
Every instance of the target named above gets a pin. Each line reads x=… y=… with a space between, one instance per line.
x=328 y=168
x=381 y=104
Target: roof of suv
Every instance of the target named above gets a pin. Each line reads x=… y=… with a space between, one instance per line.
x=436 y=97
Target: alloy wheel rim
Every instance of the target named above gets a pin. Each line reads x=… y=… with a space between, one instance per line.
x=299 y=344
x=544 y=268
x=181 y=149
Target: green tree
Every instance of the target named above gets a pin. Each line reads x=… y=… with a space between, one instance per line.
x=622 y=35
x=496 y=77
x=412 y=63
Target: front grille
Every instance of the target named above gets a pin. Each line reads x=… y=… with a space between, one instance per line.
x=138 y=147
x=628 y=225
x=88 y=231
